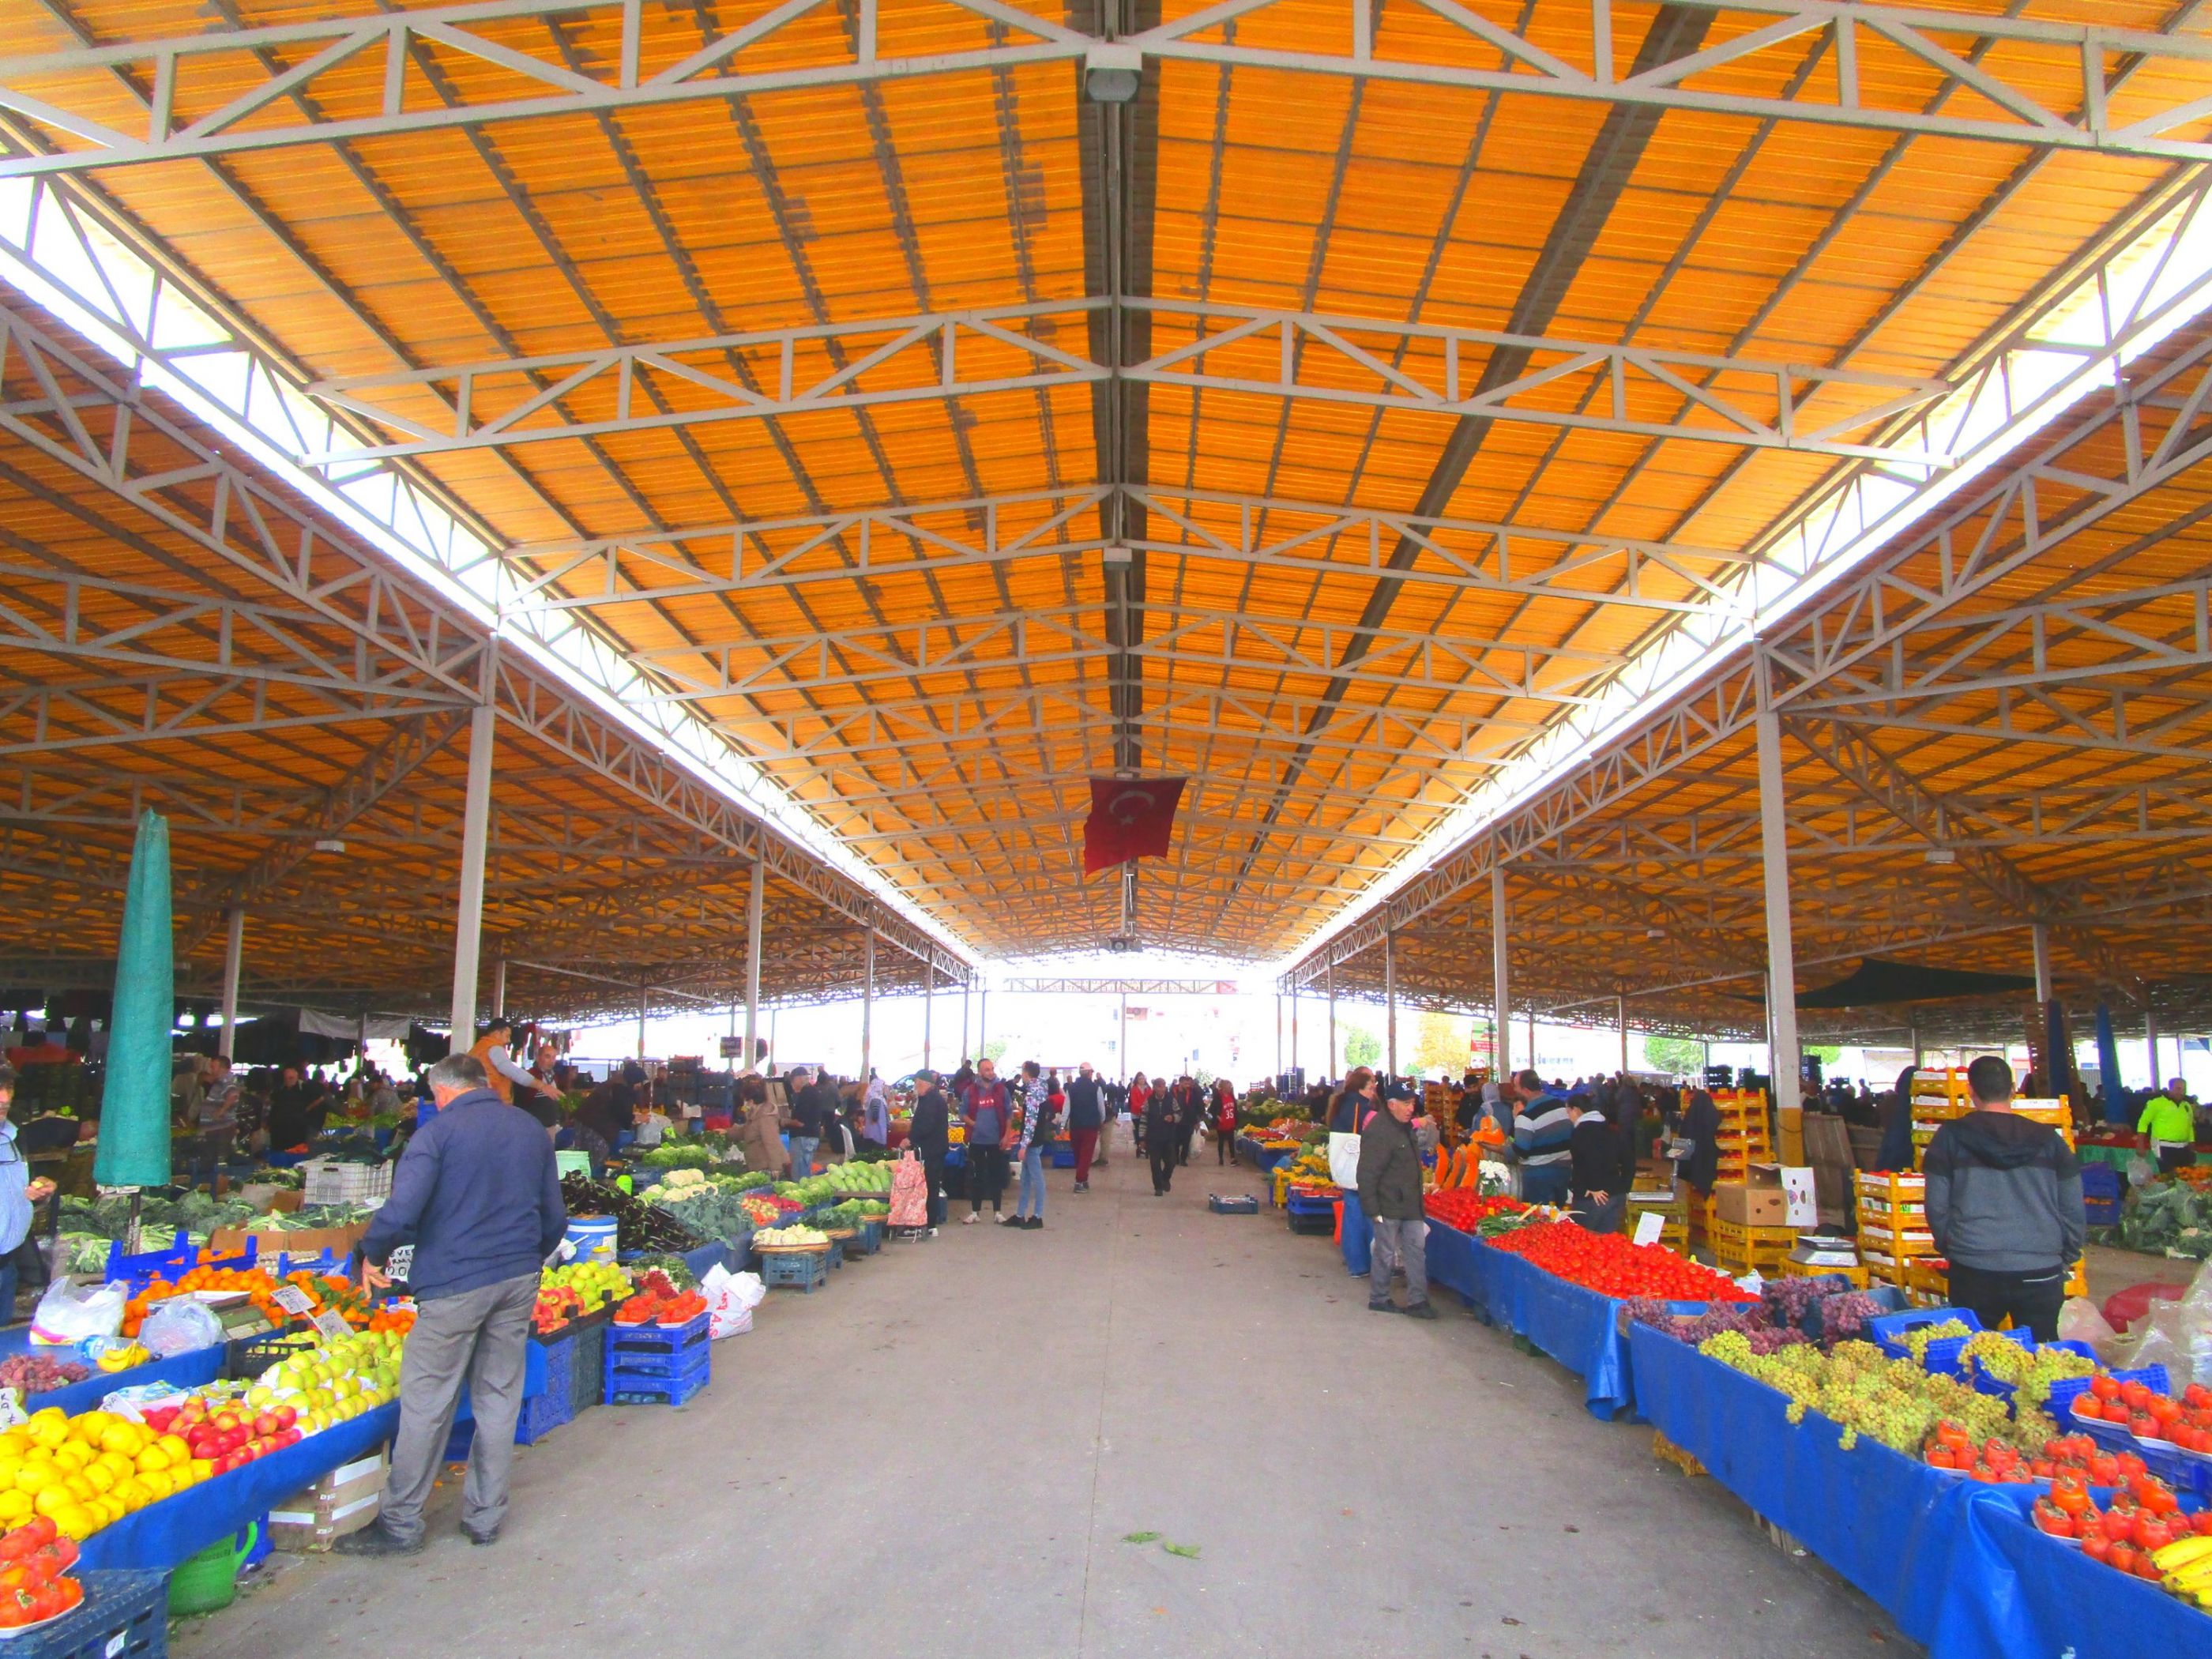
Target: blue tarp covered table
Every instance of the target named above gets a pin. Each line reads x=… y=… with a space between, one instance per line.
x=2043 y=1596
x=185 y=1371
x=1578 y=1328
x=1453 y=1263
x=160 y=1535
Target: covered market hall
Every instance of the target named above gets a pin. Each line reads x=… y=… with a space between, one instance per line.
x=1304 y=827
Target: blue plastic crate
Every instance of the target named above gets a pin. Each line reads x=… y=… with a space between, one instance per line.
x=2062 y=1393
x=124 y=1615
x=170 y=1264
x=626 y=1350
x=2101 y=1211
x=1984 y=1383
x=627 y=1379
x=870 y=1238
x=1890 y=1330
x=659 y=1391
x=2101 y=1180
x=1240 y=1204
x=1063 y=1158
x=802 y=1270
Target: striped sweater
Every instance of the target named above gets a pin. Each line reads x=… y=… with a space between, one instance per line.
x=1542 y=1131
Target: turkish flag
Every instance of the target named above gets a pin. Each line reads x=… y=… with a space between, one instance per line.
x=1130 y=818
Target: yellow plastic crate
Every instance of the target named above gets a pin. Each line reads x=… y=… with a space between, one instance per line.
x=1859 y=1277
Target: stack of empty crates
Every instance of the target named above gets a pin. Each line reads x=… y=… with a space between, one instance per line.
x=328 y=1181
x=1744 y=1140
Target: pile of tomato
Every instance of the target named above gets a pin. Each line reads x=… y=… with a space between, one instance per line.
x=1456 y=1206
x=1608 y=1264
x=2143 y=1518
x=34 y=1562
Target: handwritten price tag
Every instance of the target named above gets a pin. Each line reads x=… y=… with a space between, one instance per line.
x=1649 y=1227
x=294 y=1300
x=330 y=1325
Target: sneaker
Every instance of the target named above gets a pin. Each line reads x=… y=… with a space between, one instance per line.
x=1082 y=1186
x=932 y=1232
x=481 y=1540
x=1420 y=1310
x=971 y=1217
x=1034 y=1223
x=373 y=1540
x=1003 y=1220
x=1384 y=1305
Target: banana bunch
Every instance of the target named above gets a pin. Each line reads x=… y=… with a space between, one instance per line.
x=2185 y=1569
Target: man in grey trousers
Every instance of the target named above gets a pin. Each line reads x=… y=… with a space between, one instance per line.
x=476 y=1195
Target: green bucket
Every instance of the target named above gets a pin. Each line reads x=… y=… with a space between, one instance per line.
x=209 y=1580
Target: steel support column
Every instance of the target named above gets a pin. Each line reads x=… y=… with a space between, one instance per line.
x=1391 y=1003
x=234 y=957
x=640 y=1022
x=2150 y=1045
x=468 y=923
x=1781 y=957
x=1278 y=1031
x=928 y=1006
x=1501 y=1006
x=755 y=893
x=1620 y=1013
x=2041 y=935
x=868 y=1010
x=499 y=986
x=1328 y=1065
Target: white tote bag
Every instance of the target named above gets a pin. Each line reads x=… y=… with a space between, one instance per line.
x=1344 y=1160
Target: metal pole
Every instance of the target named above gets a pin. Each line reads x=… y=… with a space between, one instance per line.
x=755 y=896
x=1278 y=1031
x=868 y=1009
x=1501 y=1004
x=234 y=958
x=499 y=986
x=1329 y=1061
x=1916 y=1044
x=1294 y=1028
x=1781 y=955
x=2150 y=1044
x=1390 y=1001
x=1122 y=1037
x=640 y=1022
x=468 y=921
x=1620 y=1007
x=983 y=1020
x=928 y=1003
x=2040 y=933
x=963 y=1055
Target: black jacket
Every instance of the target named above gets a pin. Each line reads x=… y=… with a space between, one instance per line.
x=1162 y=1122
x=1701 y=1126
x=927 y=1131
x=1389 y=1169
x=1599 y=1153
x=2004 y=1194
x=1083 y=1111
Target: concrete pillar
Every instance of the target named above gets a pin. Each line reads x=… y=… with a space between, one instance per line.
x=2040 y=935
x=1501 y=1004
x=234 y=958
x=468 y=921
x=756 y=896
x=1781 y=954
x=868 y=1009
x=1390 y=1001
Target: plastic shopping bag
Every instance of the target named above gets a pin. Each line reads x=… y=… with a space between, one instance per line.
x=731 y=1299
x=183 y=1324
x=69 y=1313
x=1344 y=1160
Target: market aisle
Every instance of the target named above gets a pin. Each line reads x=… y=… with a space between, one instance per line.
x=941 y=1454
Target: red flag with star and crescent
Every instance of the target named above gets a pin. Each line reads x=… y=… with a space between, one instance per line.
x=1130 y=818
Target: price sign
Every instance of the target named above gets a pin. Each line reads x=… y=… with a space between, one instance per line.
x=733 y=1048
x=293 y=1300
x=331 y=1326
x=1649 y=1227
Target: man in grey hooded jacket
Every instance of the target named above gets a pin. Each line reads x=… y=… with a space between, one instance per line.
x=2004 y=1201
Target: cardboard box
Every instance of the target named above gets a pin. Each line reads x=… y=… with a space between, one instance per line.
x=311 y=1241
x=343 y=1501
x=1751 y=1203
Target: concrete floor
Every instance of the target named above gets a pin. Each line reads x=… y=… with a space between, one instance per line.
x=941 y=1455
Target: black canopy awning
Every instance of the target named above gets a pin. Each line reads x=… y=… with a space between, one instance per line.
x=1878 y=980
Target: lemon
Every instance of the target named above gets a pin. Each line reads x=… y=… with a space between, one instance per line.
x=77 y=1487
x=127 y=1438
x=90 y=1425
x=175 y=1445
x=15 y=1508
x=98 y=1477
x=203 y=1469
x=133 y=1493
x=74 y=1454
x=152 y=1458
x=49 y=1427
x=76 y=1521
x=115 y=1463
x=52 y=1498
x=37 y=1478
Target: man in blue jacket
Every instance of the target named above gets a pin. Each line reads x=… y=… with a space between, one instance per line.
x=476 y=1195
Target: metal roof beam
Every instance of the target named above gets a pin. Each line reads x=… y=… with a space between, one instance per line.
x=860 y=363
x=1266 y=532
x=2043 y=89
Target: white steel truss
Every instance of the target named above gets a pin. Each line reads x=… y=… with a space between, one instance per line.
x=2158 y=417
x=1054 y=635
x=1262 y=531
x=376 y=551
x=227 y=90
x=1377 y=363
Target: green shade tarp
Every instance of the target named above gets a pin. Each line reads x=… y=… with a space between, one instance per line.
x=134 y=1110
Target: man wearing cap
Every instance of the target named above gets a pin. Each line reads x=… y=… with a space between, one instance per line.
x=1390 y=1196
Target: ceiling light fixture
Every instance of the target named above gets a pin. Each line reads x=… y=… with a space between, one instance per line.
x=1112 y=73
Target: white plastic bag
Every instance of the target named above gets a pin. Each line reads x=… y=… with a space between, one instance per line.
x=731 y=1299
x=1344 y=1160
x=183 y=1324
x=2079 y=1320
x=70 y=1312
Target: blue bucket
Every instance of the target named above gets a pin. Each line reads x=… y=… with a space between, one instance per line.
x=593 y=1236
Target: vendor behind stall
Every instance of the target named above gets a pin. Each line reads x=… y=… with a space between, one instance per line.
x=298 y=1108
x=18 y=1193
